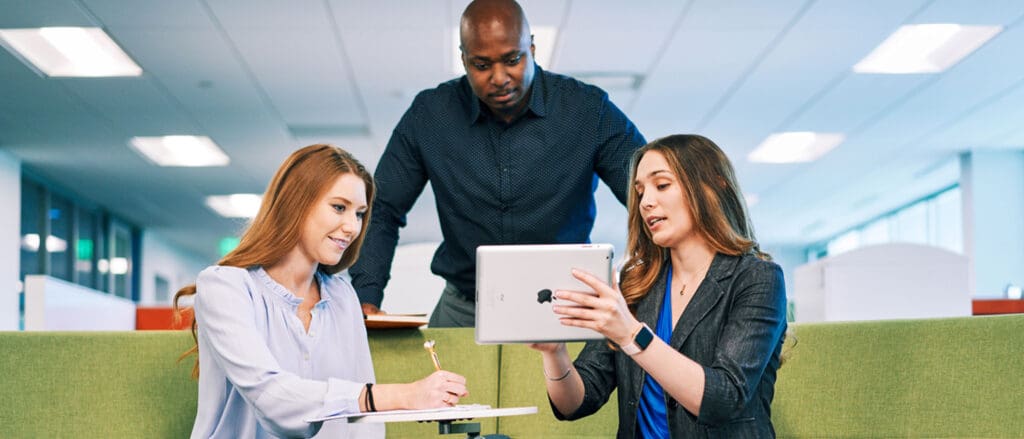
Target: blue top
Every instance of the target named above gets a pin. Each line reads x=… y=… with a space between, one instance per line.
x=528 y=182
x=261 y=375
x=652 y=418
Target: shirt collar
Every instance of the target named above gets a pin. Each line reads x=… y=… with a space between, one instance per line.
x=537 y=104
x=286 y=295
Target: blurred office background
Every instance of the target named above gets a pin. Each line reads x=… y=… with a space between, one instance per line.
x=850 y=123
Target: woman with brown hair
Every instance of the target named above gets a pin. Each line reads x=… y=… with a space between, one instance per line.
x=695 y=335
x=280 y=339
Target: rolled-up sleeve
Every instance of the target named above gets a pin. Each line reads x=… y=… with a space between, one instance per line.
x=618 y=139
x=282 y=401
x=756 y=324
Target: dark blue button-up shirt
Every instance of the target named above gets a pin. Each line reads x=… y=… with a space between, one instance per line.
x=528 y=182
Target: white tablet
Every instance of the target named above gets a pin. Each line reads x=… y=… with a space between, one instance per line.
x=514 y=284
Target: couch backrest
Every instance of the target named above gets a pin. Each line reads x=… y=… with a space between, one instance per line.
x=956 y=377
x=398 y=357
x=95 y=385
x=522 y=384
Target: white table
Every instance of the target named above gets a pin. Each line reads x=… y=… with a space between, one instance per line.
x=446 y=419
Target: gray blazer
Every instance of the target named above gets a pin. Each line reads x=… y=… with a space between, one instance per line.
x=734 y=327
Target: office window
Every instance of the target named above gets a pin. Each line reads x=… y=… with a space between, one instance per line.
x=31 y=228
x=162 y=289
x=86 y=247
x=120 y=260
x=948 y=221
x=63 y=238
x=876 y=232
x=912 y=224
x=59 y=244
x=934 y=220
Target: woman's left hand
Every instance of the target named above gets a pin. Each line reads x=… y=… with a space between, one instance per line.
x=606 y=312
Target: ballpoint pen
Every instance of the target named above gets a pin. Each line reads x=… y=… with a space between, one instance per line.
x=429 y=346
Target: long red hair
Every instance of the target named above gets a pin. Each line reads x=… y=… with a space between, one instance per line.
x=301 y=180
x=715 y=201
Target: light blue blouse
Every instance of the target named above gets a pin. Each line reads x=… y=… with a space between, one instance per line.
x=261 y=375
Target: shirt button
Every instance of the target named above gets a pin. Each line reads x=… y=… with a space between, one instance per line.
x=672 y=404
x=312 y=334
x=504 y=207
x=305 y=356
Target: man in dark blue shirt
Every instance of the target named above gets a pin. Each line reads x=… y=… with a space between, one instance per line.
x=512 y=152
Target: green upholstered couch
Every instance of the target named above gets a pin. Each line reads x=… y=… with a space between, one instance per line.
x=961 y=377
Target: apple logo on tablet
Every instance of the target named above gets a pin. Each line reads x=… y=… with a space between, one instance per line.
x=544 y=296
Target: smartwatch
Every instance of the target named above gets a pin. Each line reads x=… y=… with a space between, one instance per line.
x=640 y=341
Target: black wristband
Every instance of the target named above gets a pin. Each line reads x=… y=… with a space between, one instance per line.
x=369 y=397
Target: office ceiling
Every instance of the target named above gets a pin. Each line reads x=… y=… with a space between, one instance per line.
x=263 y=78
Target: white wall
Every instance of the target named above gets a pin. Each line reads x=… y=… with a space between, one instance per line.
x=992 y=184
x=413 y=289
x=10 y=240
x=178 y=267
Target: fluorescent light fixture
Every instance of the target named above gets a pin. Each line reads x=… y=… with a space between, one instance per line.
x=30 y=242
x=180 y=151
x=543 y=42
x=118 y=266
x=925 y=48
x=794 y=147
x=235 y=205
x=70 y=51
x=611 y=80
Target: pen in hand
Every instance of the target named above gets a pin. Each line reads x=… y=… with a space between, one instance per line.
x=429 y=346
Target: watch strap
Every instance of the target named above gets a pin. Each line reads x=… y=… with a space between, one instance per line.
x=641 y=339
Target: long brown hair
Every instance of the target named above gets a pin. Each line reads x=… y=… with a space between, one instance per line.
x=300 y=181
x=716 y=205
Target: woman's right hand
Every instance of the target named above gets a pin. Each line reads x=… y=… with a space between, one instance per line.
x=439 y=389
x=547 y=348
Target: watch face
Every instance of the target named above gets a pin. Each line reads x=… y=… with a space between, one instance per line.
x=644 y=338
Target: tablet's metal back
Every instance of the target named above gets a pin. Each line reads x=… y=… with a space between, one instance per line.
x=514 y=284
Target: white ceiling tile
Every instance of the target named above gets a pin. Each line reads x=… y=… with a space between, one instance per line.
x=134 y=106
x=242 y=74
x=235 y=15
x=303 y=74
x=148 y=14
x=383 y=16
x=41 y=13
x=1002 y=12
x=615 y=36
x=694 y=75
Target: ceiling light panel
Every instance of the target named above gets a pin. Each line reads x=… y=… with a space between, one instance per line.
x=69 y=52
x=190 y=151
x=925 y=48
x=235 y=205
x=795 y=147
